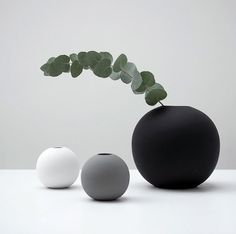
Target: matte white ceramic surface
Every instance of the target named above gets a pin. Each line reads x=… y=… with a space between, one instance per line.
x=57 y=167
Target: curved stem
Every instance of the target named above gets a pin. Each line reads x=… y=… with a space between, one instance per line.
x=161 y=103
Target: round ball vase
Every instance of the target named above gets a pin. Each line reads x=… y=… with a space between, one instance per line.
x=175 y=147
x=57 y=167
x=105 y=177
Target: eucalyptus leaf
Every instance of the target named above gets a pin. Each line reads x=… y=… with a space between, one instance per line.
x=62 y=67
x=142 y=88
x=76 y=69
x=73 y=57
x=125 y=77
x=46 y=73
x=148 y=80
x=101 y=65
x=62 y=59
x=120 y=63
x=50 y=60
x=155 y=94
x=92 y=58
x=115 y=75
x=130 y=70
x=66 y=68
x=53 y=70
x=103 y=68
x=45 y=67
x=61 y=63
x=106 y=55
x=137 y=81
x=82 y=59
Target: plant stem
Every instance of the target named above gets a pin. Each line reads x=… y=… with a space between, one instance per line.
x=161 y=103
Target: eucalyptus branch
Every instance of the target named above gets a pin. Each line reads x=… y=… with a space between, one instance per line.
x=101 y=65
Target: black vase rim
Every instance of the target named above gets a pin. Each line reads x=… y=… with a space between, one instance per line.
x=174 y=106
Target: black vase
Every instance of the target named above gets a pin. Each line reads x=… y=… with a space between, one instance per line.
x=175 y=147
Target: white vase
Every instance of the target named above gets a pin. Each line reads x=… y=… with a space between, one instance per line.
x=57 y=167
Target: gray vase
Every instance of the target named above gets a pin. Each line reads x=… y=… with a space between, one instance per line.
x=105 y=177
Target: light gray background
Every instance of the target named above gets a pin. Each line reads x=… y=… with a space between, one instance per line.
x=189 y=46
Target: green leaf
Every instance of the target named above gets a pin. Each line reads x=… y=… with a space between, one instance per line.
x=129 y=72
x=140 y=90
x=103 y=68
x=50 y=69
x=83 y=60
x=92 y=58
x=62 y=67
x=100 y=64
x=44 y=67
x=106 y=55
x=76 y=69
x=148 y=80
x=53 y=70
x=154 y=94
x=66 y=68
x=137 y=81
x=120 y=63
x=50 y=60
x=115 y=75
x=125 y=77
x=62 y=63
x=73 y=57
x=62 y=59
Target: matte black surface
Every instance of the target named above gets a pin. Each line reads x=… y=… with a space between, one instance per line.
x=175 y=147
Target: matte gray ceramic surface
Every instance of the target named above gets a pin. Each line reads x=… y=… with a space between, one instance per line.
x=105 y=177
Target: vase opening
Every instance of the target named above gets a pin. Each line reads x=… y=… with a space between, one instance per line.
x=104 y=154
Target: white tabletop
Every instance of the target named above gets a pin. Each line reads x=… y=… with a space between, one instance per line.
x=27 y=207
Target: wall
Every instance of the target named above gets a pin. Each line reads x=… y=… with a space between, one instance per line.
x=189 y=46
